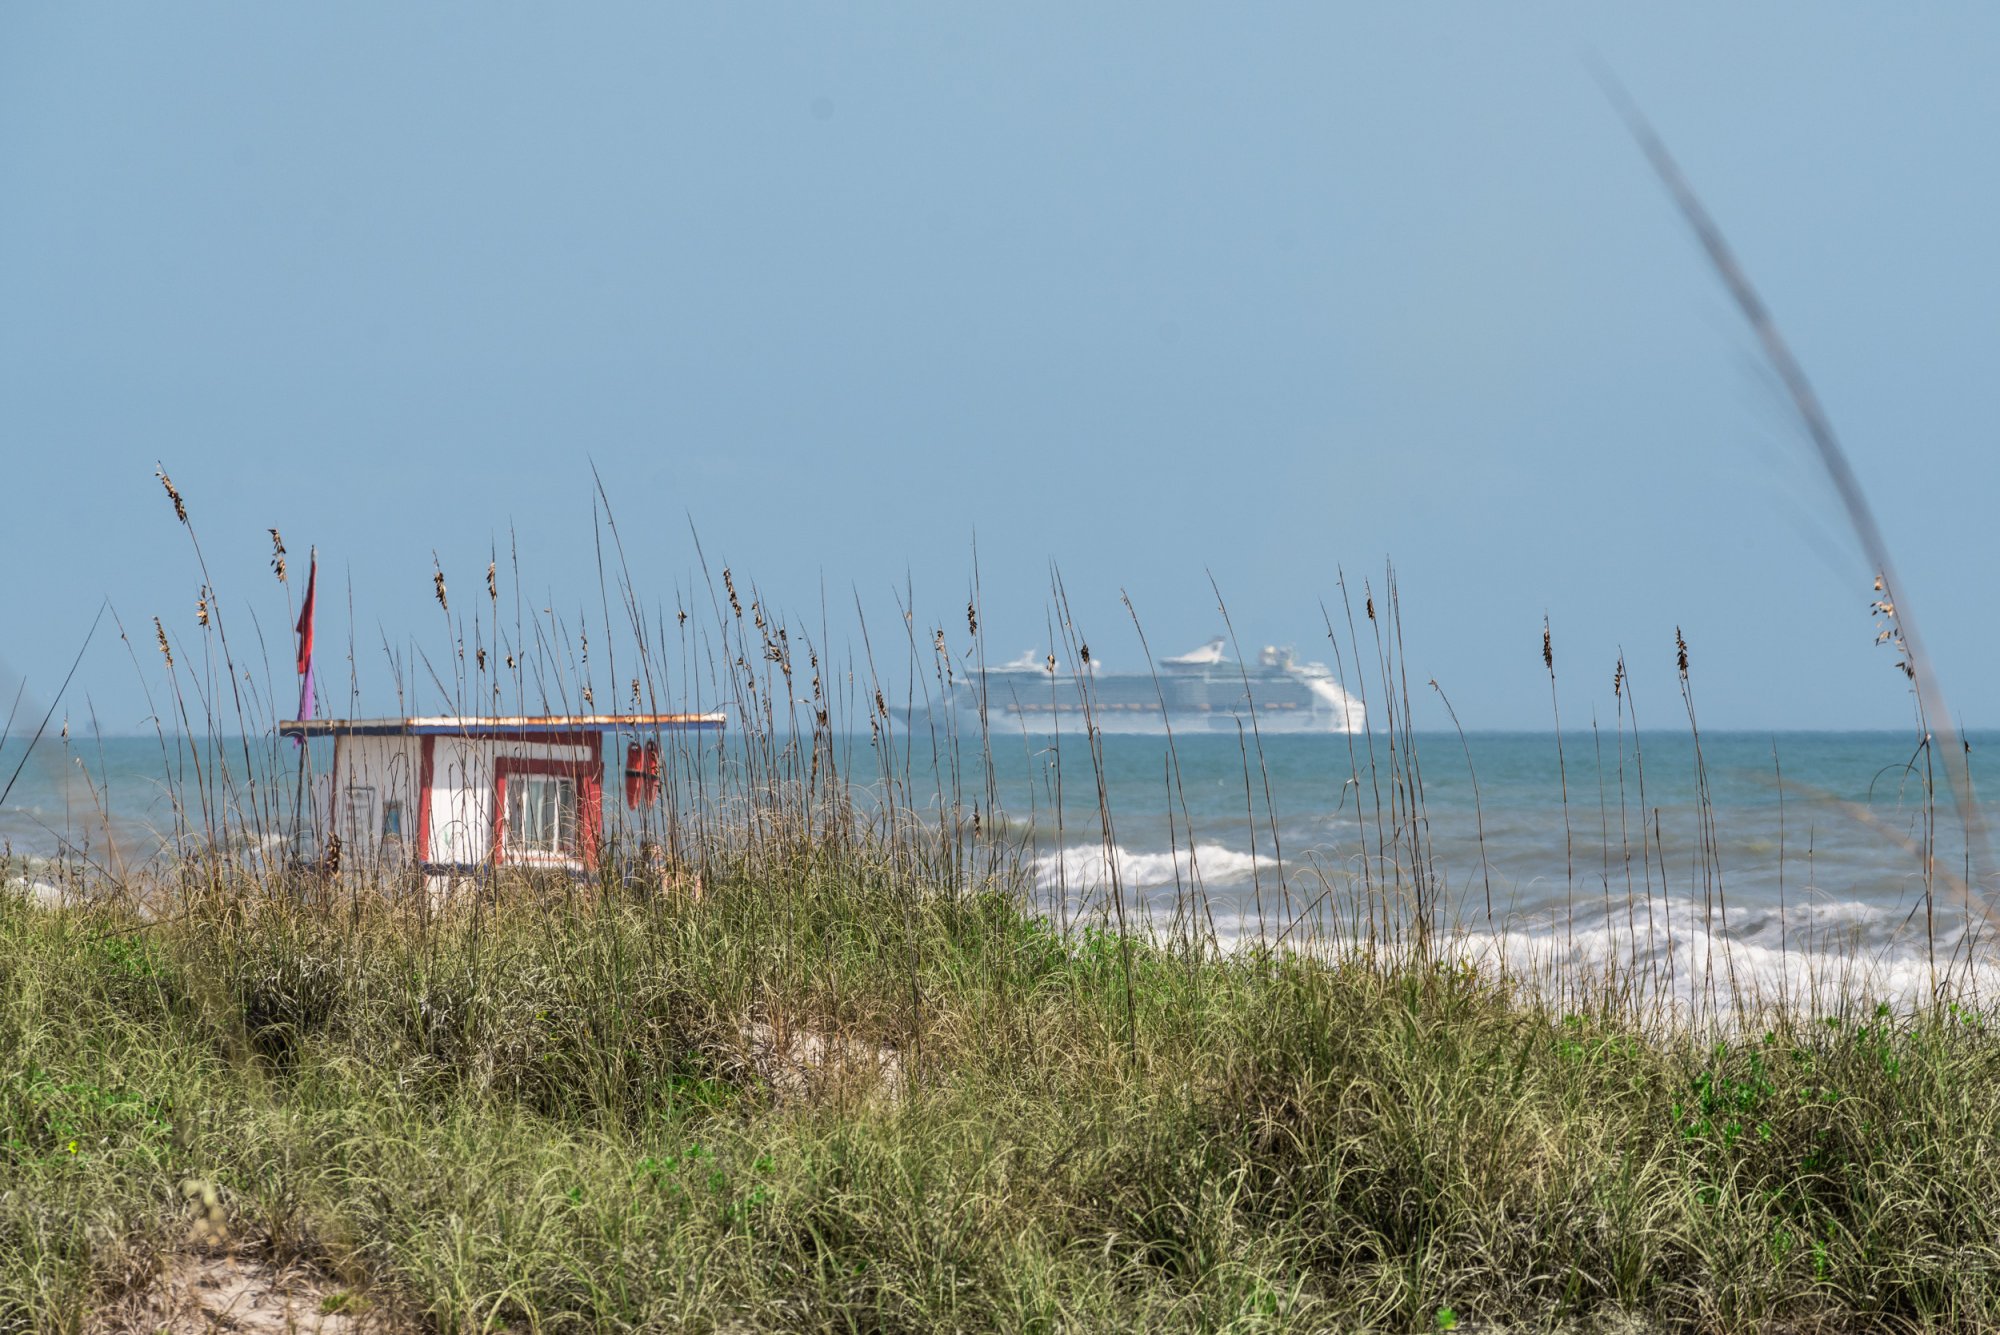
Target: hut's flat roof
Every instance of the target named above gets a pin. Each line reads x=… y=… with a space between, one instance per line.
x=516 y=725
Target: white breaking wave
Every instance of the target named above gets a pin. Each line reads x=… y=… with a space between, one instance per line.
x=40 y=893
x=1805 y=973
x=1818 y=956
x=1087 y=869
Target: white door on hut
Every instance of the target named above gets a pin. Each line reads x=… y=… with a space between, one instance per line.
x=370 y=797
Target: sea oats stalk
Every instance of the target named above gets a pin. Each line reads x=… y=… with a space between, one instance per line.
x=1934 y=712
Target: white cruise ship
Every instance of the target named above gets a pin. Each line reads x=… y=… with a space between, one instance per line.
x=1201 y=691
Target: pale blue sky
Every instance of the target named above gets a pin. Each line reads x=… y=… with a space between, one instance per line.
x=1145 y=291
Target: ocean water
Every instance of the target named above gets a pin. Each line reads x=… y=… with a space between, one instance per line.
x=1800 y=855
x=1774 y=863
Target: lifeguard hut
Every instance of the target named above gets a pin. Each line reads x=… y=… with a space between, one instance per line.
x=450 y=797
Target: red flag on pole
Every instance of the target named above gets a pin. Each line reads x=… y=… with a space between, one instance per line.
x=305 y=629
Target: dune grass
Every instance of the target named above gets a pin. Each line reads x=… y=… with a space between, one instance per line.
x=551 y=1112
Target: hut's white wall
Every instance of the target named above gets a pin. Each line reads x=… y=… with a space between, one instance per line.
x=374 y=801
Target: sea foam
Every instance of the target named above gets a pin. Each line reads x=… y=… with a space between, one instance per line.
x=1818 y=953
x=1087 y=869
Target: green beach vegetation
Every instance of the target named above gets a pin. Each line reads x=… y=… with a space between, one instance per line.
x=829 y=1093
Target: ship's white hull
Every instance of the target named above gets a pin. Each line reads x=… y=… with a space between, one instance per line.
x=1183 y=723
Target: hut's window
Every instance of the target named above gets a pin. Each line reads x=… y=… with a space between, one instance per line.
x=541 y=814
x=392 y=820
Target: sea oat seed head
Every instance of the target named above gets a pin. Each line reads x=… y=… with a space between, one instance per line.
x=180 y=506
x=201 y=608
x=1548 y=648
x=492 y=583
x=278 y=556
x=1888 y=628
x=1680 y=653
x=160 y=633
x=437 y=583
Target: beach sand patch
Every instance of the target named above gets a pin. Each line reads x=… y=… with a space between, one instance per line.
x=242 y=1292
x=802 y=1064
